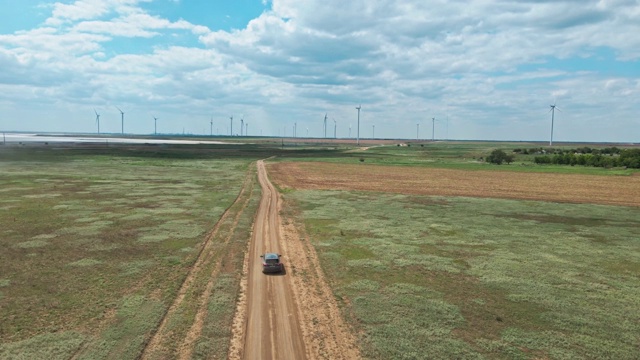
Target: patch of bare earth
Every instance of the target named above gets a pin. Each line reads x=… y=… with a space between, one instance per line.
x=571 y=188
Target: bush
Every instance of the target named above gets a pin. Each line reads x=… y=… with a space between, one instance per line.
x=498 y=157
x=542 y=159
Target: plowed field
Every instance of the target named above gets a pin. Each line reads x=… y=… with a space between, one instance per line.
x=571 y=188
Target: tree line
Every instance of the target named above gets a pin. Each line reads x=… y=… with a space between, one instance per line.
x=629 y=158
x=585 y=156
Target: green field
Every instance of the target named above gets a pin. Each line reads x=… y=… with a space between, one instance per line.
x=96 y=244
x=448 y=155
x=439 y=278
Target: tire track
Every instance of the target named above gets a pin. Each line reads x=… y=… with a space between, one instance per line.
x=157 y=341
x=186 y=350
x=294 y=316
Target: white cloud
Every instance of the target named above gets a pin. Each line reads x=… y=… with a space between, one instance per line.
x=489 y=66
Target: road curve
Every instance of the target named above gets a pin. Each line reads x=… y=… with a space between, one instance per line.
x=272 y=327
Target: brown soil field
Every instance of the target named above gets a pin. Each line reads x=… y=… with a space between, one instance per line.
x=569 y=188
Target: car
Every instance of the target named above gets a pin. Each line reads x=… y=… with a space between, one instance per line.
x=271 y=263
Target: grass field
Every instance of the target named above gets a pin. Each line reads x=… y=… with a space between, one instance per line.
x=95 y=247
x=98 y=241
x=436 y=277
x=447 y=155
x=486 y=275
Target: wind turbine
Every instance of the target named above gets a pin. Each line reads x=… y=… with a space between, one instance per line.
x=433 y=129
x=325 y=125
x=418 y=131
x=335 y=129
x=358 y=108
x=241 y=125
x=553 y=112
x=121 y=118
x=211 y=123
x=246 y=130
x=231 y=125
x=155 y=125
x=447 y=133
x=97 y=119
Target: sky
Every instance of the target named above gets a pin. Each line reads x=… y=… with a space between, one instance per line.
x=419 y=69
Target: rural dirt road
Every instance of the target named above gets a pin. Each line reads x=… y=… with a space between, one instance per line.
x=272 y=327
x=292 y=315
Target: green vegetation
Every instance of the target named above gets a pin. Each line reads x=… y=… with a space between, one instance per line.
x=607 y=157
x=96 y=243
x=452 y=155
x=498 y=157
x=433 y=277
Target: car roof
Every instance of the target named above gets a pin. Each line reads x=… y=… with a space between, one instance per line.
x=271 y=256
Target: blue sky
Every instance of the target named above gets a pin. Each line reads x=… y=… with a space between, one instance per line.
x=485 y=70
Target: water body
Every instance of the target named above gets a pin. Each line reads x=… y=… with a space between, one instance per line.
x=12 y=138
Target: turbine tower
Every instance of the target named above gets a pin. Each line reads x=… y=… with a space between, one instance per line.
x=231 y=125
x=335 y=129
x=121 y=119
x=246 y=130
x=433 y=129
x=553 y=112
x=325 y=125
x=446 y=137
x=358 y=138
x=97 y=119
x=373 y=132
x=155 y=125
x=211 y=123
x=241 y=125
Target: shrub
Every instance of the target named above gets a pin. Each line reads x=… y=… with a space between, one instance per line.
x=498 y=157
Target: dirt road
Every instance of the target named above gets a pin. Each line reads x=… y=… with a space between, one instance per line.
x=272 y=330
